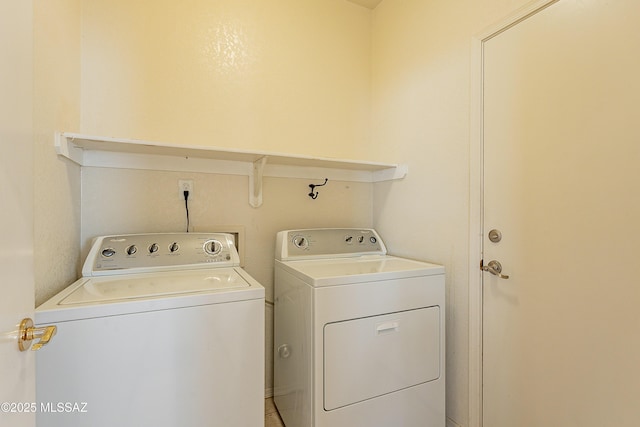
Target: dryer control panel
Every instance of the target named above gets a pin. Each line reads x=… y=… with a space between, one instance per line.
x=328 y=243
x=132 y=253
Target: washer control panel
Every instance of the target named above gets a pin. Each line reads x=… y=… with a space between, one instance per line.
x=328 y=242
x=160 y=251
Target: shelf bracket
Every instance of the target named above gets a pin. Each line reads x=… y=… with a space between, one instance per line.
x=255 y=182
x=66 y=148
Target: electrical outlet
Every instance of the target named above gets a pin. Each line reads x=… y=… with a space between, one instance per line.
x=185 y=185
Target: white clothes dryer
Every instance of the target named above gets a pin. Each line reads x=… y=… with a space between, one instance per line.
x=162 y=330
x=359 y=334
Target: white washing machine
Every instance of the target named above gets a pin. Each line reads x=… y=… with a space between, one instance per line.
x=162 y=330
x=359 y=334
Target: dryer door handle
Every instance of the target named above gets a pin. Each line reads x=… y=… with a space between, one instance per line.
x=387 y=327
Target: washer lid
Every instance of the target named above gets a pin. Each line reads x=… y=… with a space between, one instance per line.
x=341 y=271
x=114 y=288
x=135 y=293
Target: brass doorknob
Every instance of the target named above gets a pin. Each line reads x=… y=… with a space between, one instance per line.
x=29 y=333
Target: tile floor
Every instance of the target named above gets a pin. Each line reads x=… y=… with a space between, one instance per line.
x=271 y=416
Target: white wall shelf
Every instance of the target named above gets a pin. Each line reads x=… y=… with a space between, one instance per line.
x=98 y=151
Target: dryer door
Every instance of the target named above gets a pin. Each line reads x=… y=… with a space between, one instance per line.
x=368 y=357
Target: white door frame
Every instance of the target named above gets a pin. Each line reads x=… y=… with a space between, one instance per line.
x=476 y=184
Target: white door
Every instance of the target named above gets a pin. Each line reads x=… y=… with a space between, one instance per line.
x=17 y=372
x=561 y=335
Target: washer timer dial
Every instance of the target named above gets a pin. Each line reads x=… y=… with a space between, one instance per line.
x=212 y=247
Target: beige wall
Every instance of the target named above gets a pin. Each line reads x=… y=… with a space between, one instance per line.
x=56 y=107
x=421 y=105
x=283 y=75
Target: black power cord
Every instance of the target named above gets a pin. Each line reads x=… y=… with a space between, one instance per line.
x=186 y=206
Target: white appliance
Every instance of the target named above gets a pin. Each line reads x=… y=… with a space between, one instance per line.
x=359 y=334
x=162 y=330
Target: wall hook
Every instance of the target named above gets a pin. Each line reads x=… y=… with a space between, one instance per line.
x=313 y=186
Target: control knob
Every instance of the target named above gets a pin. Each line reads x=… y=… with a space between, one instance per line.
x=132 y=250
x=174 y=247
x=212 y=247
x=300 y=242
x=153 y=248
x=108 y=252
